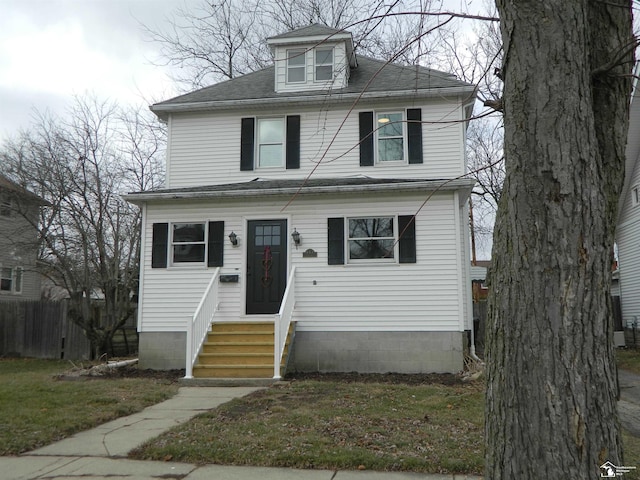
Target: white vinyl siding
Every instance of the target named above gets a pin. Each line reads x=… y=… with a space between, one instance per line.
x=205 y=149
x=424 y=296
x=628 y=241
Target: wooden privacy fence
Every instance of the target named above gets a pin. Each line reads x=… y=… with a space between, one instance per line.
x=41 y=329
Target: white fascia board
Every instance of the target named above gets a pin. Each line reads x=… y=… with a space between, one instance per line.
x=306 y=100
x=462 y=185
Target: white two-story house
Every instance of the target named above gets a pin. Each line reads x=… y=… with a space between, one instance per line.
x=322 y=200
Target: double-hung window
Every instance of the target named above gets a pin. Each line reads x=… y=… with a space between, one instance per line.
x=296 y=65
x=323 y=64
x=371 y=238
x=188 y=242
x=390 y=135
x=271 y=136
x=11 y=280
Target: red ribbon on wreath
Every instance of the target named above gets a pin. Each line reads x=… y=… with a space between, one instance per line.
x=267 y=261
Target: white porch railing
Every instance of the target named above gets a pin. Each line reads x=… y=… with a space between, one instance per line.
x=199 y=325
x=283 y=322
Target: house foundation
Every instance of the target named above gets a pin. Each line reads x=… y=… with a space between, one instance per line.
x=162 y=350
x=378 y=352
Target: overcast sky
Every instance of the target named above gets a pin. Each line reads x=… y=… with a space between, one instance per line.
x=52 y=49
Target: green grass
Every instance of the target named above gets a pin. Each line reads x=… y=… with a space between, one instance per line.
x=628 y=359
x=37 y=409
x=337 y=425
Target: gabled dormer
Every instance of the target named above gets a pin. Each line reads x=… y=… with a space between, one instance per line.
x=312 y=58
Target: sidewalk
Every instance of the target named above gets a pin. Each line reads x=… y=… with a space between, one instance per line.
x=100 y=453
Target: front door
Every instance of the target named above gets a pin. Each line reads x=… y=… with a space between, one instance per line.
x=266 y=265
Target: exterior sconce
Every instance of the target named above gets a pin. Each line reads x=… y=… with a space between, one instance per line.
x=233 y=238
x=295 y=235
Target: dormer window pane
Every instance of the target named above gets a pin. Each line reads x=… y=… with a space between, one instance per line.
x=270 y=142
x=296 y=64
x=324 y=63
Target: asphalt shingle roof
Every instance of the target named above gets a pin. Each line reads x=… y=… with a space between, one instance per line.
x=316 y=29
x=312 y=185
x=370 y=76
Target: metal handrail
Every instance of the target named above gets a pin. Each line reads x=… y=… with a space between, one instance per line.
x=282 y=322
x=200 y=323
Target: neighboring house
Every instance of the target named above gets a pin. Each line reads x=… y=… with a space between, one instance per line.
x=305 y=177
x=628 y=228
x=19 y=279
x=479 y=288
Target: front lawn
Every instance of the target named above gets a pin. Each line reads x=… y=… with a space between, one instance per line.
x=334 y=424
x=37 y=409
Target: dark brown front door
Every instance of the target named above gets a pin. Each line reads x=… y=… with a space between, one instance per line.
x=266 y=265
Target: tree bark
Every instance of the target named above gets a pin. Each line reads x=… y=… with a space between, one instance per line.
x=552 y=387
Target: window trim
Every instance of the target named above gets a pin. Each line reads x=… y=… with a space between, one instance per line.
x=300 y=53
x=282 y=143
x=171 y=244
x=316 y=64
x=383 y=260
x=405 y=140
x=16 y=280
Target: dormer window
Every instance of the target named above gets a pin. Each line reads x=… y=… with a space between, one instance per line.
x=323 y=64
x=296 y=65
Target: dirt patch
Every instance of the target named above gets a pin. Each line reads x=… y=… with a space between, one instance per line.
x=448 y=379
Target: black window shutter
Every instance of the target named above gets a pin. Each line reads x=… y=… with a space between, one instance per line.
x=407 y=242
x=159 y=244
x=366 y=139
x=215 y=244
x=247 y=133
x=414 y=134
x=335 y=241
x=293 y=141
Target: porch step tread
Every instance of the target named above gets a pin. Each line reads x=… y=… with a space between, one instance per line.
x=239 y=367
x=237 y=354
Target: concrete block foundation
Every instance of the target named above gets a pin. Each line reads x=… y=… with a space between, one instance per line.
x=162 y=350
x=378 y=352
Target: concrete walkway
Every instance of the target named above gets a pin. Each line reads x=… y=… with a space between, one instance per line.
x=101 y=453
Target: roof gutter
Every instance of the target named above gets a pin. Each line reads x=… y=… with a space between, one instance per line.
x=162 y=110
x=463 y=184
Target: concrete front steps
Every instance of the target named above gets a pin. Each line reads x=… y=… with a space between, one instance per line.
x=239 y=350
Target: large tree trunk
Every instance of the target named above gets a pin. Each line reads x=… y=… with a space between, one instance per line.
x=552 y=388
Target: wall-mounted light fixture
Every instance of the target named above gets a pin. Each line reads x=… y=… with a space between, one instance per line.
x=233 y=238
x=295 y=235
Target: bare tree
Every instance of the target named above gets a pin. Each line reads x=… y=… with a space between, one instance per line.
x=551 y=392
x=90 y=237
x=214 y=41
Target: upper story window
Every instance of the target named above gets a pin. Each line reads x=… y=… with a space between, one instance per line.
x=323 y=64
x=188 y=242
x=390 y=135
x=296 y=65
x=635 y=196
x=371 y=238
x=11 y=280
x=271 y=136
